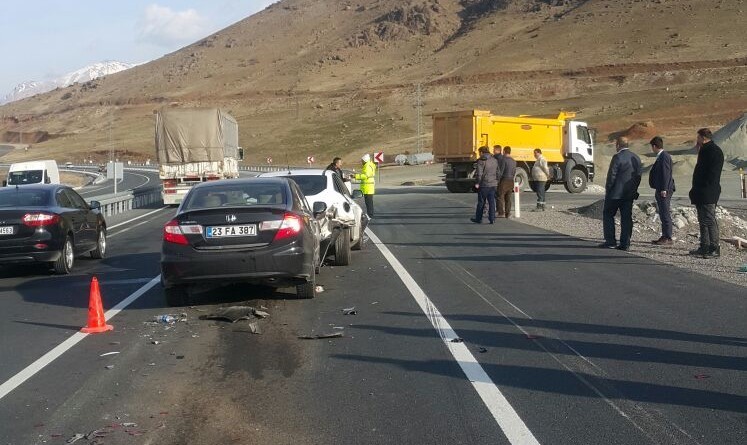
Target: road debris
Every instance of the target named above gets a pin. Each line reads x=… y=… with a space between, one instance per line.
x=109 y=353
x=321 y=336
x=702 y=376
x=319 y=289
x=109 y=366
x=254 y=328
x=170 y=318
x=349 y=311
x=96 y=434
x=482 y=350
x=457 y=340
x=532 y=336
x=235 y=313
x=743 y=269
x=75 y=438
x=128 y=425
x=155 y=342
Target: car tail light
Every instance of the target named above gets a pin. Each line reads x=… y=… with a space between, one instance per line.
x=40 y=219
x=290 y=226
x=172 y=233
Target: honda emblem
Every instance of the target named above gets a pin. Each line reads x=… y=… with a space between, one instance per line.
x=231 y=218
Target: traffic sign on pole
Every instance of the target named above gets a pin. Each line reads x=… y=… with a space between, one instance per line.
x=269 y=160
x=310 y=160
x=379 y=157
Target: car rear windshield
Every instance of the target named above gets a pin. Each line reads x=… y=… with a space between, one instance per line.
x=239 y=194
x=18 y=197
x=311 y=184
x=25 y=177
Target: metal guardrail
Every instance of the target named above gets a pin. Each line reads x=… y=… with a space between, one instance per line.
x=113 y=204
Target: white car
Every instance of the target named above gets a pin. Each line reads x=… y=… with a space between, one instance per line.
x=342 y=210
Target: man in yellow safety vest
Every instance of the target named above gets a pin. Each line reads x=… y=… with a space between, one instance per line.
x=368 y=183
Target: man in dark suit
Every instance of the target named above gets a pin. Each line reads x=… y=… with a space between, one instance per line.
x=623 y=179
x=705 y=193
x=660 y=179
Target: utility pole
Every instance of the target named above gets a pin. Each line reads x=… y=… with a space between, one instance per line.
x=419 y=107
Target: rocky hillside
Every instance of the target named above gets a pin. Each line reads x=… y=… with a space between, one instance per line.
x=305 y=77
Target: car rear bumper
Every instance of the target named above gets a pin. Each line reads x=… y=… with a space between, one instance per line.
x=29 y=257
x=282 y=266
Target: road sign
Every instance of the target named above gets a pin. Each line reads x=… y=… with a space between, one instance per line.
x=269 y=160
x=379 y=157
x=310 y=160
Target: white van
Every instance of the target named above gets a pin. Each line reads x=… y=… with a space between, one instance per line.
x=33 y=172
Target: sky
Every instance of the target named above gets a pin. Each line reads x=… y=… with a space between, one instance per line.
x=44 y=39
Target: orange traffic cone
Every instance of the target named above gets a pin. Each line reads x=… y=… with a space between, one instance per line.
x=96 y=320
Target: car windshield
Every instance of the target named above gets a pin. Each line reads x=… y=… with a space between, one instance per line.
x=25 y=177
x=311 y=184
x=237 y=194
x=23 y=198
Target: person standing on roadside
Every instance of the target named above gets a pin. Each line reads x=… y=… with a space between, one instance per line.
x=336 y=167
x=660 y=179
x=705 y=193
x=506 y=185
x=623 y=179
x=487 y=182
x=368 y=182
x=540 y=176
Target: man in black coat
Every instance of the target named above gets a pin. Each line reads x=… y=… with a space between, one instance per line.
x=660 y=179
x=706 y=191
x=623 y=179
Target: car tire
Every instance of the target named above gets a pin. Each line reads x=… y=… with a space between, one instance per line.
x=342 y=248
x=176 y=295
x=100 y=250
x=307 y=290
x=64 y=264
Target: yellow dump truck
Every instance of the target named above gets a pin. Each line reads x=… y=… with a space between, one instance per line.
x=565 y=143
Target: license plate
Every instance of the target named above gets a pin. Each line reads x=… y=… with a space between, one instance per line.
x=227 y=231
x=7 y=230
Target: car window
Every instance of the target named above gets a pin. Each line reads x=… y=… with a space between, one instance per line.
x=235 y=194
x=311 y=184
x=63 y=200
x=340 y=185
x=25 y=177
x=76 y=200
x=24 y=198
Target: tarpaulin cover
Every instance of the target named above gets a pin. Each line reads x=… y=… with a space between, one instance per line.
x=195 y=135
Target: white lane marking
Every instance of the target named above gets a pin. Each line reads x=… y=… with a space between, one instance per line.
x=29 y=371
x=136 y=218
x=504 y=414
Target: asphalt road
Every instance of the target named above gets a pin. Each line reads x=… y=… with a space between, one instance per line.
x=561 y=343
x=132 y=180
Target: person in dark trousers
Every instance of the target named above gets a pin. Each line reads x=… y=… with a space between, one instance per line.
x=660 y=179
x=506 y=185
x=540 y=176
x=705 y=193
x=623 y=179
x=487 y=181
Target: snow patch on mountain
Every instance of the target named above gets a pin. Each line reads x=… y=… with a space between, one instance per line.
x=90 y=72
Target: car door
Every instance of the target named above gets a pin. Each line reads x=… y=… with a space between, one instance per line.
x=85 y=222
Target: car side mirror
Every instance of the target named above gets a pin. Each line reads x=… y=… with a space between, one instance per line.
x=357 y=194
x=94 y=205
x=319 y=209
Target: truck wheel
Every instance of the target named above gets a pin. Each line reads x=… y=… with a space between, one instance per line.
x=576 y=182
x=522 y=178
x=342 y=248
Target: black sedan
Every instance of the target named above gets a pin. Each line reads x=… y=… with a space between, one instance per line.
x=49 y=223
x=252 y=230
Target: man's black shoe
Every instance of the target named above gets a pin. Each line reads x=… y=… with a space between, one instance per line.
x=475 y=221
x=621 y=247
x=714 y=252
x=606 y=246
x=698 y=252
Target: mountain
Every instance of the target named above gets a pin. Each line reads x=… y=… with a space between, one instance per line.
x=340 y=77
x=90 y=72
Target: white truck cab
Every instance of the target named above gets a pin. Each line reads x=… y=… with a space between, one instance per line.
x=33 y=172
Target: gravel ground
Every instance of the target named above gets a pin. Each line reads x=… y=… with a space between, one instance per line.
x=725 y=268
